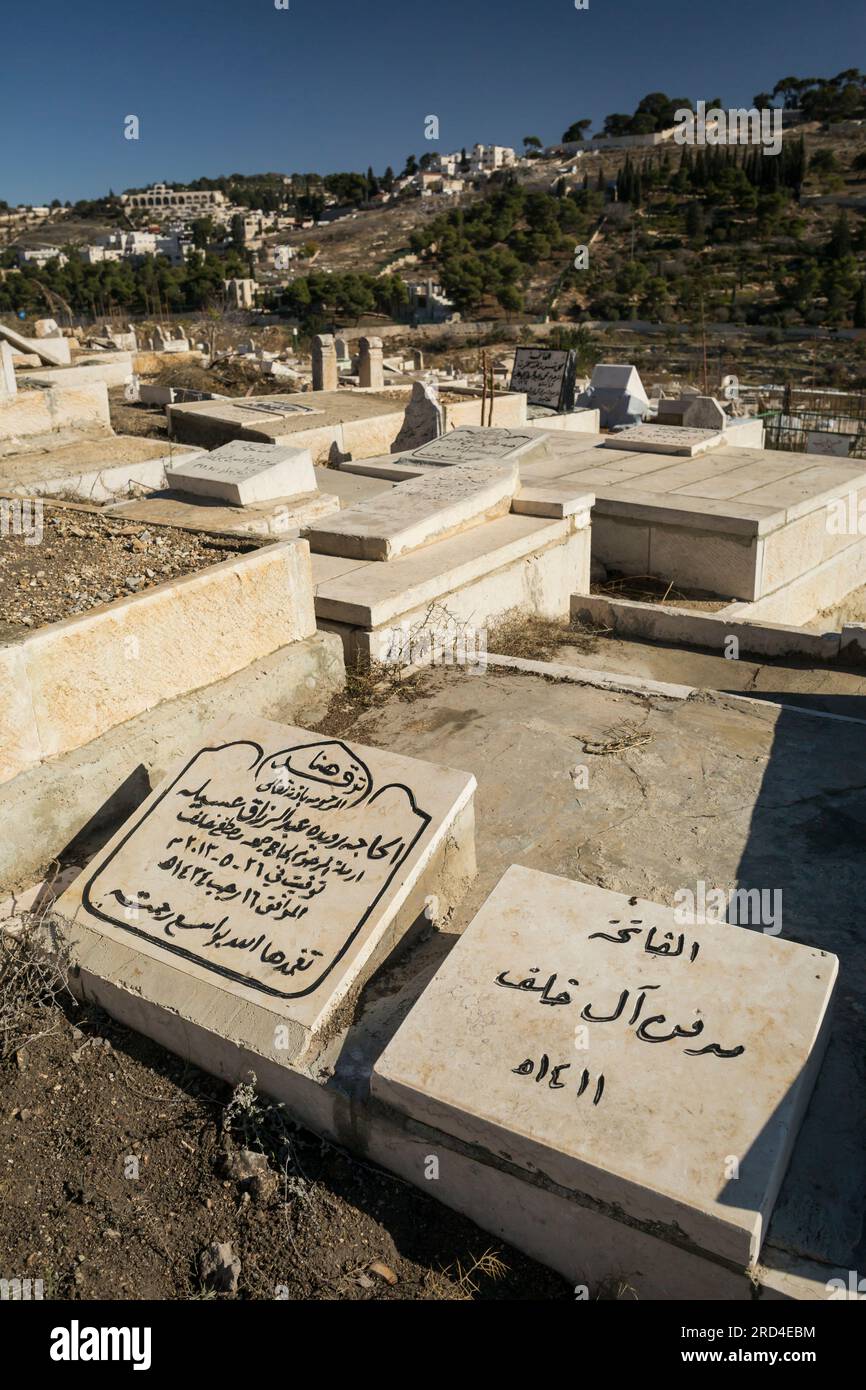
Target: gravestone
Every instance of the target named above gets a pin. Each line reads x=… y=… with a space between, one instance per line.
x=52 y=352
x=371 y=371
x=324 y=363
x=664 y=439
x=270 y=865
x=704 y=413
x=617 y=392
x=829 y=443
x=475 y=444
x=8 y=384
x=659 y=1071
x=244 y=473
x=546 y=375
x=423 y=420
x=414 y=513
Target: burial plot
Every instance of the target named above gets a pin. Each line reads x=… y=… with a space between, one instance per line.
x=245 y=473
x=664 y=439
x=414 y=513
x=658 y=1070
x=474 y=444
x=546 y=376
x=271 y=864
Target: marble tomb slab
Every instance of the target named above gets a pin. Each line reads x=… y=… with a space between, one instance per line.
x=271 y=864
x=477 y=444
x=416 y=512
x=660 y=1070
x=665 y=439
x=244 y=473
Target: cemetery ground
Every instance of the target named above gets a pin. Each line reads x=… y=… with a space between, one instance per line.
x=306 y=1218
x=710 y=788
x=85 y=559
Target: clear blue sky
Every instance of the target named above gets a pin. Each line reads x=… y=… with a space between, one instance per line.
x=223 y=86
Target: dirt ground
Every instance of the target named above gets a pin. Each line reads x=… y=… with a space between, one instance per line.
x=83 y=560
x=121 y=1165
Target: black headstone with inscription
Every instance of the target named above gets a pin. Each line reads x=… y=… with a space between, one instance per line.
x=546 y=375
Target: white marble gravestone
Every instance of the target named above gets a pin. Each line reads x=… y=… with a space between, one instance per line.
x=664 y=439
x=8 y=384
x=414 y=513
x=475 y=444
x=660 y=1070
x=271 y=863
x=244 y=473
x=545 y=375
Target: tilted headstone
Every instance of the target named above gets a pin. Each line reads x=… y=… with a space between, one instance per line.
x=656 y=1068
x=546 y=376
x=54 y=352
x=423 y=420
x=268 y=867
x=243 y=473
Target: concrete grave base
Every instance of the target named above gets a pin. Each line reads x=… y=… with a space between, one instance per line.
x=46 y=809
x=590 y=1246
x=48 y=408
x=464 y=586
x=280 y=518
x=98 y=469
x=68 y=682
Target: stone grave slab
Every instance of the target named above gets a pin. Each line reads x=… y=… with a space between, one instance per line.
x=271 y=864
x=245 y=473
x=414 y=513
x=477 y=444
x=664 y=439
x=546 y=376
x=659 y=1070
x=56 y=354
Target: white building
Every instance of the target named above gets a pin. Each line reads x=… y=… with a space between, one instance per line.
x=487 y=158
x=482 y=159
x=191 y=202
x=120 y=246
x=41 y=255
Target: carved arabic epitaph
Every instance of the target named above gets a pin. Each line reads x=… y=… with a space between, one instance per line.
x=262 y=868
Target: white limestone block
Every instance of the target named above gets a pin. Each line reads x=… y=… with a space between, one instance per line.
x=244 y=473
x=659 y=1067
